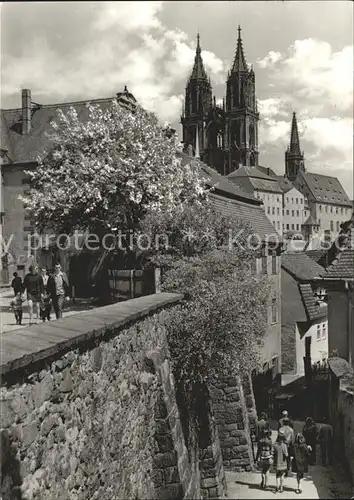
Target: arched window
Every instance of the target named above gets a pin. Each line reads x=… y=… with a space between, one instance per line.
x=194 y=97
x=251 y=135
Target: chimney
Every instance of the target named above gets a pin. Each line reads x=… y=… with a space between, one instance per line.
x=26 y=111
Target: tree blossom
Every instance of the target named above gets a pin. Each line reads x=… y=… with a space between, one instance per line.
x=109 y=171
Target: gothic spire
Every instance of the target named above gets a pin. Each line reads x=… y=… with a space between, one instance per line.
x=294 y=136
x=239 y=61
x=198 y=68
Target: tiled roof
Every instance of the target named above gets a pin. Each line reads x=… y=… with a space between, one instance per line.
x=300 y=266
x=213 y=178
x=26 y=148
x=313 y=310
x=342 y=266
x=344 y=243
x=284 y=183
x=292 y=307
x=315 y=255
x=324 y=188
x=256 y=178
x=253 y=215
x=267 y=171
x=310 y=221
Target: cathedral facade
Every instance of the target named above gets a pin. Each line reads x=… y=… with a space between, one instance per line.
x=225 y=137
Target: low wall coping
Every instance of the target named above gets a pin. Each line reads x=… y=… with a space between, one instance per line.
x=22 y=348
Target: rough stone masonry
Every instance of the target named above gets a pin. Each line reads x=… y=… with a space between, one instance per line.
x=88 y=410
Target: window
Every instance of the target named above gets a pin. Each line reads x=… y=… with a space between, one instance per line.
x=273 y=210
x=278 y=199
x=331 y=225
x=264 y=264
x=318 y=332
x=274 y=311
x=338 y=225
x=337 y=210
x=297 y=213
x=326 y=208
x=292 y=200
x=331 y=209
x=287 y=226
x=287 y=212
x=292 y=213
x=292 y=226
x=287 y=200
x=278 y=224
x=320 y=208
x=297 y=227
x=278 y=211
x=274 y=262
x=301 y=201
x=324 y=332
x=341 y=210
x=297 y=201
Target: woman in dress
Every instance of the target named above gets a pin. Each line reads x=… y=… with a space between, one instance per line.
x=280 y=454
x=300 y=463
x=264 y=456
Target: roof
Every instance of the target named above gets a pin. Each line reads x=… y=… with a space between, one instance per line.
x=324 y=189
x=315 y=255
x=213 y=178
x=292 y=306
x=342 y=267
x=310 y=221
x=27 y=147
x=300 y=266
x=257 y=179
x=313 y=309
x=198 y=72
x=267 y=171
x=284 y=183
x=340 y=367
x=251 y=214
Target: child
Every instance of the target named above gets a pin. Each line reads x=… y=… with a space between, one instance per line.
x=16 y=306
x=46 y=306
x=280 y=454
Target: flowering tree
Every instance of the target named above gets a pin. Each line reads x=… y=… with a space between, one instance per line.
x=105 y=173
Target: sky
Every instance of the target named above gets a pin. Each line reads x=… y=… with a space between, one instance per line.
x=301 y=51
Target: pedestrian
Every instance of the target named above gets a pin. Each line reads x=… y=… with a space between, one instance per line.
x=285 y=414
x=46 y=306
x=300 y=463
x=16 y=284
x=280 y=454
x=264 y=457
x=16 y=306
x=325 y=438
x=45 y=276
x=58 y=288
x=263 y=425
x=289 y=441
x=310 y=432
x=33 y=284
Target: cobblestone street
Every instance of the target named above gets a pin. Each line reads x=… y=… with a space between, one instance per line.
x=321 y=482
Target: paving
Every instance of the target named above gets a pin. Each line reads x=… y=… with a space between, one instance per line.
x=321 y=482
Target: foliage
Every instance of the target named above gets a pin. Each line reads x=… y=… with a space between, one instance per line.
x=219 y=327
x=106 y=172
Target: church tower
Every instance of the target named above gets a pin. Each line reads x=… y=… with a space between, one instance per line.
x=294 y=157
x=241 y=120
x=198 y=101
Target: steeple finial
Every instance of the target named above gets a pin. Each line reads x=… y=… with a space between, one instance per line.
x=239 y=61
x=198 y=71
x=294 y=136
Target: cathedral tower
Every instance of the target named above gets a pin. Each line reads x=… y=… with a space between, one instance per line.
x=198 y=101
x=294 y=157
x=241 y=120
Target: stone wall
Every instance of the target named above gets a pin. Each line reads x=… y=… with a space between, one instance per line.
x=235 y=416
x=89 y=411
x=341 y=410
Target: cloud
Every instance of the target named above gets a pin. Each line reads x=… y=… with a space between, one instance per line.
x=269 y=60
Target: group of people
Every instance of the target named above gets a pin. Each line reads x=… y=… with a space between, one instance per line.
x=42 y=292
x=290 y=452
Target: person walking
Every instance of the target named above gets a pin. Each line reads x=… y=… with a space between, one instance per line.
x=33 y=284
x=302 y=452
x=285 y=415
x=45 y=277
x=58 y=288
x=264 y=457
x=262 y=426
x=16 y=306
x=310 y=432
x=325 y=438
x=280 y=454
x=288 y=432
x=16 y=284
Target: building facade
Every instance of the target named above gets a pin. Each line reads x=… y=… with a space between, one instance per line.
x=227 y=134
x=264 y=187
x=304 y=314
x=328 y=202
